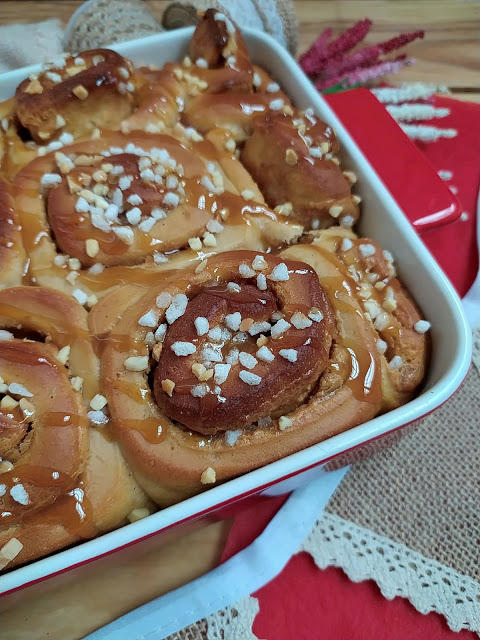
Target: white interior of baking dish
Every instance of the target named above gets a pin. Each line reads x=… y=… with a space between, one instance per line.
x=382 y=220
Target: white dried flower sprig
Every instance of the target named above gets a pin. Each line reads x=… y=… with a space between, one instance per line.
x=413 y=112
x=407 y=91
x=397 y=101
x=427 y=133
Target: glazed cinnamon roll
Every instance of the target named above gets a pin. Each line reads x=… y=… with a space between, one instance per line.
x=211 y=374
x=15 y=153
x=60 y=480
x=76 y=94
x=218 y=63
x=119 y=209
x=402 y=336
x=234 y=317
x=71 y=98
x=293 y=160
x=291 y=154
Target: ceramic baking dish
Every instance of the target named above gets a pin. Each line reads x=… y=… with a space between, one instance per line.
x=383 y=220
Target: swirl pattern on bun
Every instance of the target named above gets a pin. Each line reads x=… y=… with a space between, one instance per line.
x=60 y=479
x=269 y=354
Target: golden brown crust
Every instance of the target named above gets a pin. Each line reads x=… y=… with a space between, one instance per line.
x=58 y=424
x=295 y=163
x=219 y=64
x=158 y=96
x=60 y=320
x=49 y=455
x=102 y=500
x=87 y=91
x=232 y=112
x=220 y=44
x=284 y=384
x=67 y=481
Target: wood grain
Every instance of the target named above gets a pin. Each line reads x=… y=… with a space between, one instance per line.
x=448 y=55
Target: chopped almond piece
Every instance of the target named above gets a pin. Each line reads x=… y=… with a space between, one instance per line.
x=34 y=87
x=80 y=92
x=168 y=386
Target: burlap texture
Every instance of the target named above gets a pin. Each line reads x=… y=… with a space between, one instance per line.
x=104 y=22
x=197 y=631
x=286 y=11
x=424 y=491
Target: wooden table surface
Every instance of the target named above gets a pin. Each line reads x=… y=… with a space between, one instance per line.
x=449 y=55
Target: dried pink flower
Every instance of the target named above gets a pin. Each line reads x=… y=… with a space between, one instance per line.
x=362 y=75
x=308 y=60
x=362 y=58
x=315 y=59
x=399 y=41
x=328 y=63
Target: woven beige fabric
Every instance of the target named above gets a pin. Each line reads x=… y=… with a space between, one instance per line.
x=424 y=491
x=287 y=14
x=104 y=22
x=197 y=631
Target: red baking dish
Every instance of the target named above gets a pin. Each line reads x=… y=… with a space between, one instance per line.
x=397 y=188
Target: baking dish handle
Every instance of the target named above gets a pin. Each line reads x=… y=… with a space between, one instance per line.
x=422 y=195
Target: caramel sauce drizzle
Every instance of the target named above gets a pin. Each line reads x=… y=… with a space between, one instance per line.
x=153 y=429
x=36 y=208
x=73 y=511
x=364 y=376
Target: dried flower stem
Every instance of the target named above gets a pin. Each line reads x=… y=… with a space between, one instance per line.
x=406 y=92
x=316 y=58
x=360 y=76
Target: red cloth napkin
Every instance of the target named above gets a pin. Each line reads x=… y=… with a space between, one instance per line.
x=304 y=601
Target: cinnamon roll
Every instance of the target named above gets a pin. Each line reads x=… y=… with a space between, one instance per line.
x=119 y=209
x=402 y=336
x=293 y=160
x=71 y=98
x=76 y=94
x=60 y=480
x=291 y=154
x=218 y=62
x=211 y=374
x=15 y=153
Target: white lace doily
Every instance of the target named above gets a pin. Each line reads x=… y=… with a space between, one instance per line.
x=398 y=571
x=232 y=623
x=235 y=622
